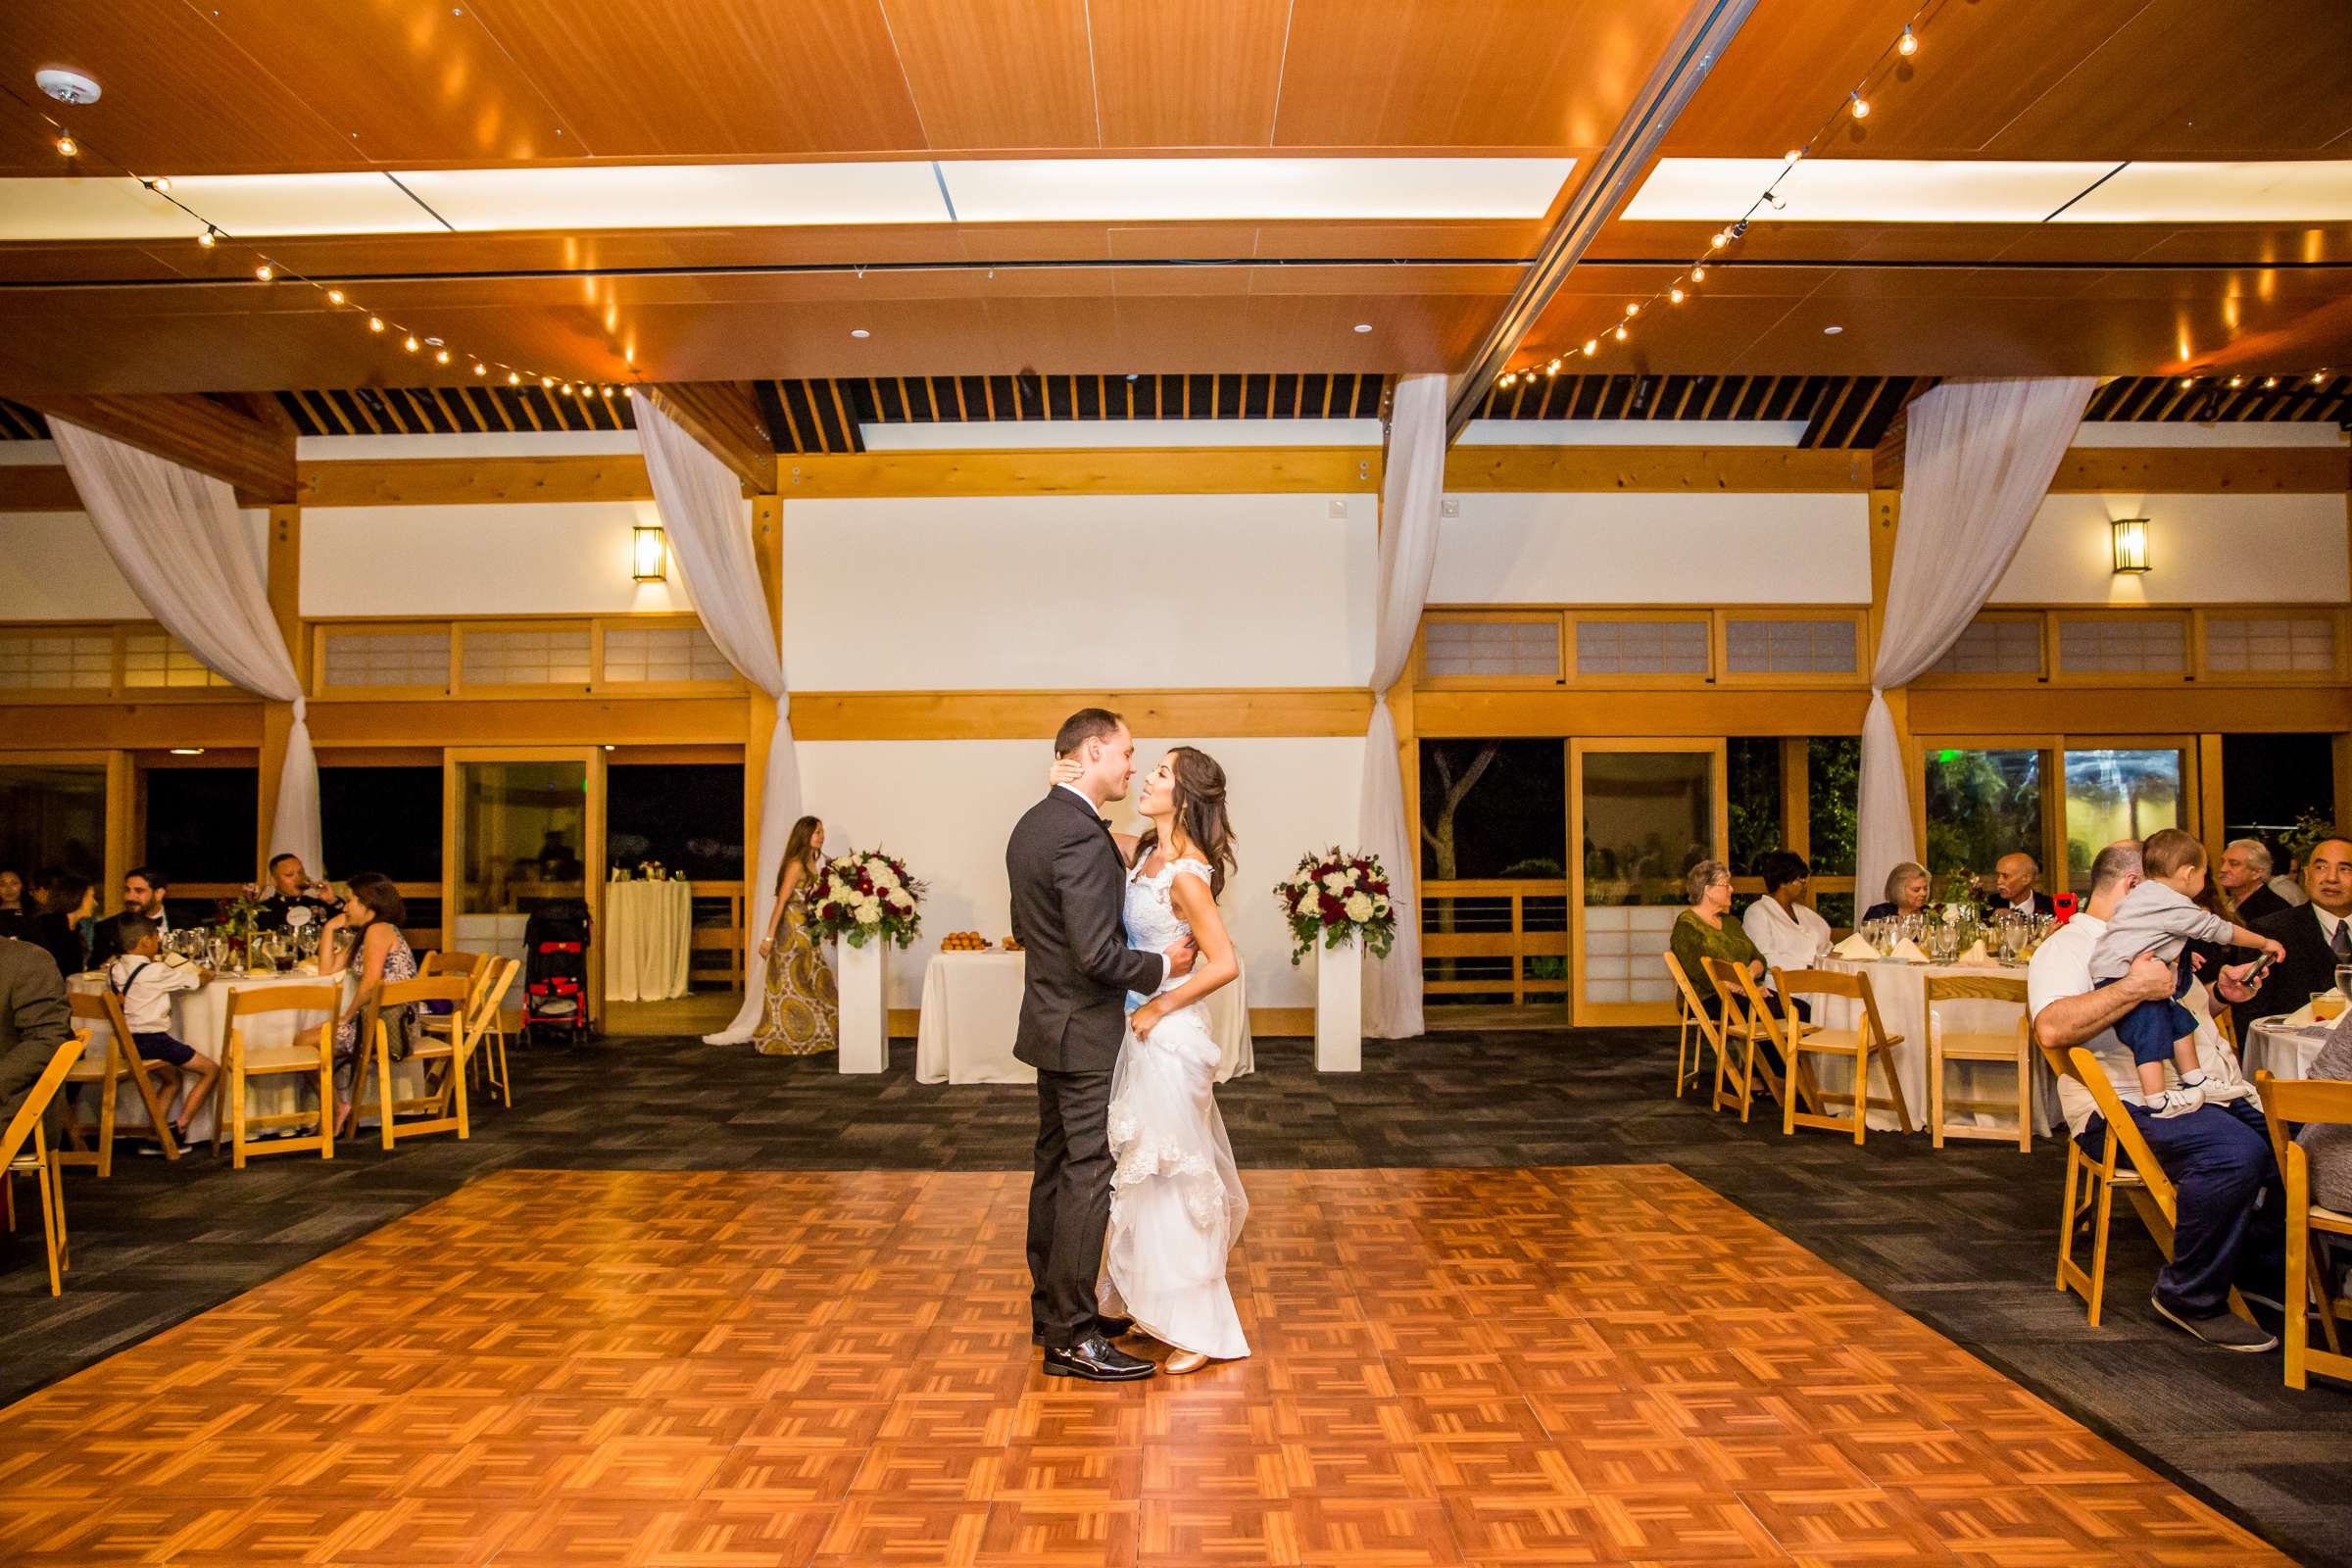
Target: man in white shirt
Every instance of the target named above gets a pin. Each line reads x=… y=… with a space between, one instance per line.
x=1785 y=928
x=2229 y=1230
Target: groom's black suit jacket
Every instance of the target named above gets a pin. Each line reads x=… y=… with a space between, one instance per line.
x=1069 y=892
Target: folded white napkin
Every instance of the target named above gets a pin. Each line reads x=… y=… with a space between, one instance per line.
x=1908 y=950
x=1855 y=949
x=1977 y=957
x=2300 y=1018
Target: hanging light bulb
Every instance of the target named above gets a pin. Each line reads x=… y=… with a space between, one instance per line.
x=2237 y=382
x=210 y=237
x=1674 y=295
x=1793 y=154
x=410 y=343
x=159 y=184
x=375 y=324
x=1719 y=240
x=1553 y=369
x=2319 y=377
x=265 y=272
x=334 y=296
x=1699 y=274
x=1621 y=334
x=1632 y=311
x=2269 y=381
x=1909 y=45
x=1592 y=346
x=514 y=379
x=67 y=147
x=2187 y=381
x=545 y=381
x=607 y=391
x=441 y=356
x=1860 y=105
x=480 y=368
x=1507 y=380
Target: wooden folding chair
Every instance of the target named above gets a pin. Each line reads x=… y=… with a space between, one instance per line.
x=490 y=1046
x=1736 y=1065
x=2306 y=1102
x=24 y=1152
x=1867 y=1042
x=311 y=1050
x=474 y=966
x=2092 y=1183
x=122 y=1059
x=2014 y=1046
x=1690 y=1064
x=449 y=1054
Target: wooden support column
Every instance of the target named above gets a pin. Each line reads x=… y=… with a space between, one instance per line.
x=121 y=819
x=1797 y=797
x=2211 y=827
x=277 y=719
x=1885 y=522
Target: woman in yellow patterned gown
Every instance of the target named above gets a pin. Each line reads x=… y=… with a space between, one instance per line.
x=803 y=1014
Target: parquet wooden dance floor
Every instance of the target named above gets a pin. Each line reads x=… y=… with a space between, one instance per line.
x=1554 y=1366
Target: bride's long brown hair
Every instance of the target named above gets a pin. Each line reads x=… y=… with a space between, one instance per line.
x=1199 y=813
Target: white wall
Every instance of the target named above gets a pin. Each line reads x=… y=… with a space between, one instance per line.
x=53 y=567
x=1060 y=592
x=2205 y=549
x=947 y=807
x=531 y=559
x=1616 y=548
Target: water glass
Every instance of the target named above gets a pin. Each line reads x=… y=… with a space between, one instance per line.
x=2343 y=979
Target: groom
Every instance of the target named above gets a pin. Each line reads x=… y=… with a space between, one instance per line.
x=1068 y=895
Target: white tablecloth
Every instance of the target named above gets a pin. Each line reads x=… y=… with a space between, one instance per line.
x=972 y=1012
x=1901 y=991
x=2285 y=1052
x=648 y=933
x=198 y=1019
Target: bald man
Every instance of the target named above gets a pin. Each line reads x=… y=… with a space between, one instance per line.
x=2013 y=880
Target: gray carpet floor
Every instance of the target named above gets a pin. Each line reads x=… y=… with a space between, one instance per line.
x=1963 y=1239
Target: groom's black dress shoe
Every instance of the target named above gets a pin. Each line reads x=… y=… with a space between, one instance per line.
x=1096 y=1360
x=1110 y=1328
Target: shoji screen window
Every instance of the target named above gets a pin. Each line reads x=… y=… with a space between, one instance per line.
x=1492 y=650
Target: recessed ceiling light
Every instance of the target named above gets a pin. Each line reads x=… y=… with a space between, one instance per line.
x=188 y=751
x=1832 y=331
x=1363 y=326
x=860 y=331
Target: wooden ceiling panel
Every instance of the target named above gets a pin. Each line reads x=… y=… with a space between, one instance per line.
x=1411 y=74
x=1188 y=76
x=403 y=81
x=713 y=78
x=178 y=96
x=2057 y=79
x=998 y=74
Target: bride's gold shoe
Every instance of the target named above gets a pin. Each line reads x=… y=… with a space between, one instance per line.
x=1184 y=1361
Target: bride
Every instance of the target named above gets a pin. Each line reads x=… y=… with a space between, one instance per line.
x=1176 y=1205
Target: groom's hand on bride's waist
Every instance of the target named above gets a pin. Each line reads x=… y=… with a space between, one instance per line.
x=1180 y=958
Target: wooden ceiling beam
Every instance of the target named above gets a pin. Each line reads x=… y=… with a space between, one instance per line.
x=1886 y=457
x=724 y=417
x=253 y=457
x=1708 y=28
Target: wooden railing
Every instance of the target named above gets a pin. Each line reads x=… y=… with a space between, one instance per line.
x=1495 y=939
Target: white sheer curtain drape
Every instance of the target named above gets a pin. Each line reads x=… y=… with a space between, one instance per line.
x=176 y=536
x=1978 y=462
x=1412 y=485
x=709 y=524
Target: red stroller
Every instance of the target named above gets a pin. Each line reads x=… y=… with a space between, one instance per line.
x=555 y=1002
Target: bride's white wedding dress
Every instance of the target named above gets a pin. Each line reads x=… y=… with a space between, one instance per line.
x=1176 y=1206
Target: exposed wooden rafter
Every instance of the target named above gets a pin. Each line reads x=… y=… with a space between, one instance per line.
x=1886 y=457
x=207 y=434
x=727 y=419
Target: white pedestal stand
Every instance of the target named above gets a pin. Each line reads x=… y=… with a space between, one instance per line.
x=1339 y=1009
x=865 y=1005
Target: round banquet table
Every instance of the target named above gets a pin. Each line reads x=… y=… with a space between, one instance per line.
x=972 y=1013
x=648 y=933
x=200 y=1019
x=1901 y=991
x=2284 y=1049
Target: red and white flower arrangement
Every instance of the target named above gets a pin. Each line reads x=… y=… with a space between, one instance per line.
x=867 y=893
x=1338 y=897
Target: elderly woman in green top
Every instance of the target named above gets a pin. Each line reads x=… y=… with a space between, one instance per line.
x=1706 y=930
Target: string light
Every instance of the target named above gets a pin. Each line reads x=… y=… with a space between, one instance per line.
x=2269 y=381
x=265 y=272
x=480 y=368
x=410 y=343
x=545 y=381
x=159 y=184
x=441 y=356
x=1621 y=334
x=334 y=296
x=210 y=237
x=1861 y=106
x=1675 y=294
x=514 y=379
x=1699 y=274
x=68 y=147
x=375 y=324
x=1908 y=45
x=1632 y=311
x=1592 y=346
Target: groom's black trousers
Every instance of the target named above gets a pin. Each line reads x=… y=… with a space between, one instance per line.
x=1069 y=1203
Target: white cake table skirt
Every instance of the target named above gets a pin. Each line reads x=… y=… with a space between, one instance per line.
x=1901 y=990
x=972 y=1014
x=2283 y=1050
x=198 y=1019
x=648 y=935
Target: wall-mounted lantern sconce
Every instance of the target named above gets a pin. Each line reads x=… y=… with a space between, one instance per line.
x=649 y=558
x=2130 y=544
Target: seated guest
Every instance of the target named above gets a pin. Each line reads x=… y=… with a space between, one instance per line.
x=1906 y=892
x=2315 y=935
x=2227 y=1231
x=2013 y=887
x=143 y=893
x=62 y=926
x=293 y=888
x=2244 y=873
x=144 y=979
x=1785 y=928
x=17 y=906
x=365 y=935
x=2287 y=874
x=34 y=1020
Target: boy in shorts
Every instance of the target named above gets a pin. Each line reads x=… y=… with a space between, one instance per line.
x=144 y=979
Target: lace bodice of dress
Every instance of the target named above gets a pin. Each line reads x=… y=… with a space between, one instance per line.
x=1153 y=923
